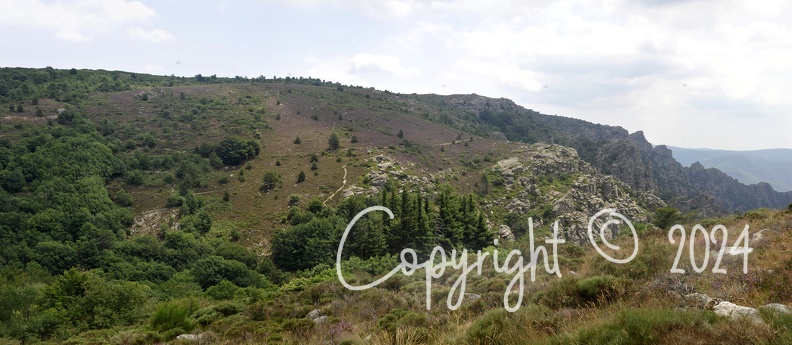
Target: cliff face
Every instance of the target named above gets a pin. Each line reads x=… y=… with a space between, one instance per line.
x=553 y=183
x=708 y=191
x=613 y=151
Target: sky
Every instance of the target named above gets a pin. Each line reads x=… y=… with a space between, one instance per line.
x=698 y=74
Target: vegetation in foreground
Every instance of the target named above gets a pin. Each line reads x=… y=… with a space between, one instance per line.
x=74 y=272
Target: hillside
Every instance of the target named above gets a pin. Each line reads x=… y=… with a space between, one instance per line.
x=614 y=151
x=750 y=167
x=148 y=209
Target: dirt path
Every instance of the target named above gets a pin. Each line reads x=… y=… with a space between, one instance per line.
x=343 y=184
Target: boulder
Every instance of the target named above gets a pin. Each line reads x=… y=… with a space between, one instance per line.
x=314 y=314
x=505 y=232
x=194 y=337
x=698 y=301
x=737 y=312
x=777 y=308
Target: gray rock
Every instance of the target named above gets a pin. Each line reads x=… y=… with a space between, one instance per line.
x=737 y=312
x=777 y=308
x=320 y=319
x=194 y=337
x=472 y=296
x=505 y=232
x=314 y=314
x=698 y=301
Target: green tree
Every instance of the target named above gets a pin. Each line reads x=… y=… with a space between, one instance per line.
x=234 y=150
x=333 y=142
x=401 y=134
x=354 y=139
x=297 y=140
x=271 y=180
x=20 y=109
x=305 y=245
x=301 y=176
x=665 y=217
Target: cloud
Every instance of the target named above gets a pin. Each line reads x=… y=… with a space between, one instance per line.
x=156 y=35
x=152 y=67
x=73 y=20
x=71 y=35
x=377 y=63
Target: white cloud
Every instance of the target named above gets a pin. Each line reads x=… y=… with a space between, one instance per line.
x=377 y=63
x=73 y=20
x=71 y=35
x=152 y=67
x=156 y=35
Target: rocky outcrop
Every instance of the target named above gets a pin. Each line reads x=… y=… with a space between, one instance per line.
x=629 y=157
x=709 y=192
x=729 y=309
x=554 y=183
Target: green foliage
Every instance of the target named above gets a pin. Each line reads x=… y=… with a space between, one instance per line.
x=301 y=176
x=212 y=270
x=173 y=315
x=135 y=178
x=645 y=326
x=91 y=302
x=571 y=291
x=297 y=140
x=333 y=143
x=235 y=150
x=306 y=245
x=123 y=199
x=401 y=134
x=224 y=290
x=271 y=180
x=665 y=217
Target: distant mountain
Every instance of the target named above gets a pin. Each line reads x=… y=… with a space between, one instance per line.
x=773 y=166
x=614 y=151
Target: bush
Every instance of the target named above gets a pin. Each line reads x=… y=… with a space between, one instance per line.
x=135 y=178
x=649 y=326
x=224 y=290
x=235 y=150
x=173 y=315
x=174 y=200
x=123 y=198
x=271 y=180
x=665 y=217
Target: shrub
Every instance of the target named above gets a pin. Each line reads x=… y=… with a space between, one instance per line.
x=172 y=315
x=135 y=178
x=271 y=180
x=123 y=198
x=174 y=200
x=224 y=290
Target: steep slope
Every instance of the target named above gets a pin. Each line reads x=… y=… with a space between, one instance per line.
x=628 y=157
x=771 y=166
